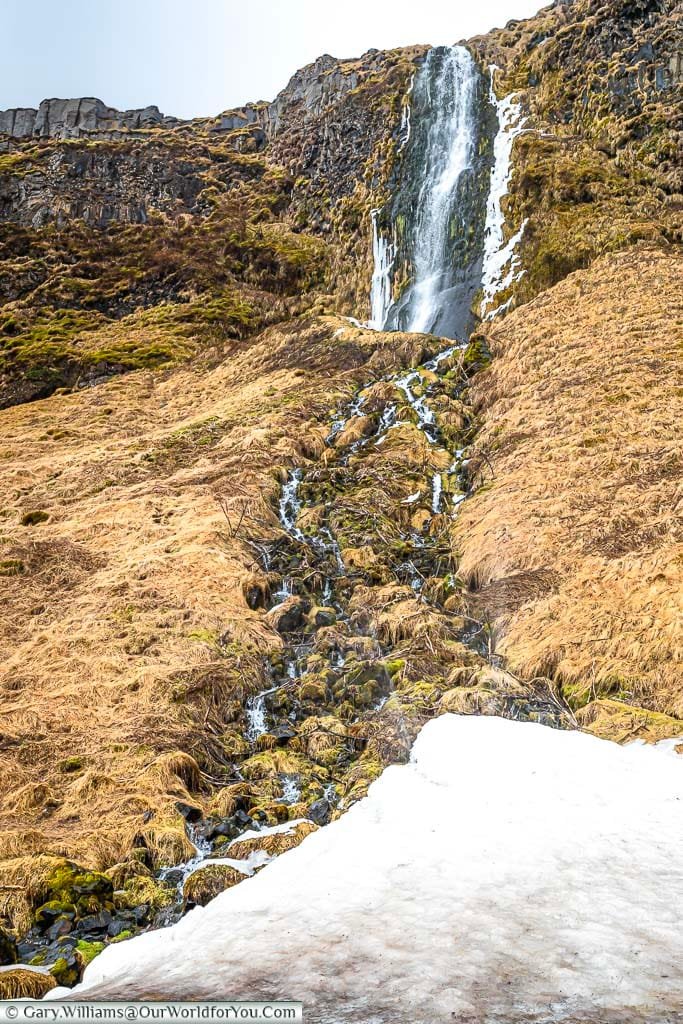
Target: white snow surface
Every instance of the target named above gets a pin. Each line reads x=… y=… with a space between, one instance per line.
x=509 y=873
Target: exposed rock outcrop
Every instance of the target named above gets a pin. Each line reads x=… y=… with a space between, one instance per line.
x=73 y=118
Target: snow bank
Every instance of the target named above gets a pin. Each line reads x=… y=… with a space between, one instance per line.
x=509 y=873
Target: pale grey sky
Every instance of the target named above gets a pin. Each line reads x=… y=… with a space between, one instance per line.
x=198 y=57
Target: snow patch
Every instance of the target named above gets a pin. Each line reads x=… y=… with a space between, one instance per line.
x=509 y=872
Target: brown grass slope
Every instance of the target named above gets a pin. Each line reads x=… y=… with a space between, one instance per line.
x=125 y=633
x=573 y=545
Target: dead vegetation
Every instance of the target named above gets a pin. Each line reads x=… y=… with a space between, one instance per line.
x=126 y=640
x=573 y=547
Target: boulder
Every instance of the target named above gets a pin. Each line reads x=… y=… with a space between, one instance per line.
x=208 y=882
x=272 y=843
x=288 y=615
x=319 y=812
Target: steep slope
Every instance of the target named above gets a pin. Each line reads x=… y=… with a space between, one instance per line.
x=235 y=590
x=571 y=543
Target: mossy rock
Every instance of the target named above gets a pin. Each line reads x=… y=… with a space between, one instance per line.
x=141 y=891
x=66 y=970
x=52 y=909
x=273 y=844
x=270 y=813
x=23 y=983
x=234 y=745
x=209 y=881
x=70 y=891
x=313 y=691
x=87 y=951
x=623 y=723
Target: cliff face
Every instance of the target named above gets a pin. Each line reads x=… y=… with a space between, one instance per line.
x=70 y=119
x=261 y=212
x=599 y=166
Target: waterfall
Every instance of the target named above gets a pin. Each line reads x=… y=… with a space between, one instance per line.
x=452 y=75
x=500 y=259
x=438 y=208
x=380 y=289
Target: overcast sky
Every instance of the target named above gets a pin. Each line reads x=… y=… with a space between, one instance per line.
x=198 y=57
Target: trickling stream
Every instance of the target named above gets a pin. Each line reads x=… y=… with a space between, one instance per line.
x=446 y=228
x=442 y=235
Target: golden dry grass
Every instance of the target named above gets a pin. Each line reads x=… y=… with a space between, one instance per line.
x=24 y=983
x=573 y=545
x=126 y=641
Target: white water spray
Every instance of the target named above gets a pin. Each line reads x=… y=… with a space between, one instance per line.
x=437 y=487
x=405 y=117
x=290 y=505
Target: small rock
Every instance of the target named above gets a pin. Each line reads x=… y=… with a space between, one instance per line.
x=189 y=811
x=62 y=926
x=95 y=922
x=49 y=912
x=140 y=913
x=26 y=951
x=319 y=812
x=8 y=949
x=116 y=927
x=288 y=615
x=283 y=734
x=173 y=877
x=207 y=882
x=323 y=616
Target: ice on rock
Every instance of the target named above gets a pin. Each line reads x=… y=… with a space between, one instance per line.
x=501 y=263
x=383 y=254
x=508 y=873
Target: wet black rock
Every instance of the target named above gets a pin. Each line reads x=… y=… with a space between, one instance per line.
x=289 y=615
x=26 y=950
x=140 y=913
x=62 y=926
x=228 y=828
x=95 y=922
x=319 y=812
x=283 y=734
x=189 y=811
x=174 y=877
x=117 y=927
x=8 y=949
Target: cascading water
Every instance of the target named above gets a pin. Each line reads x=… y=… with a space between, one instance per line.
x=450 y=145
x=439 y=224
